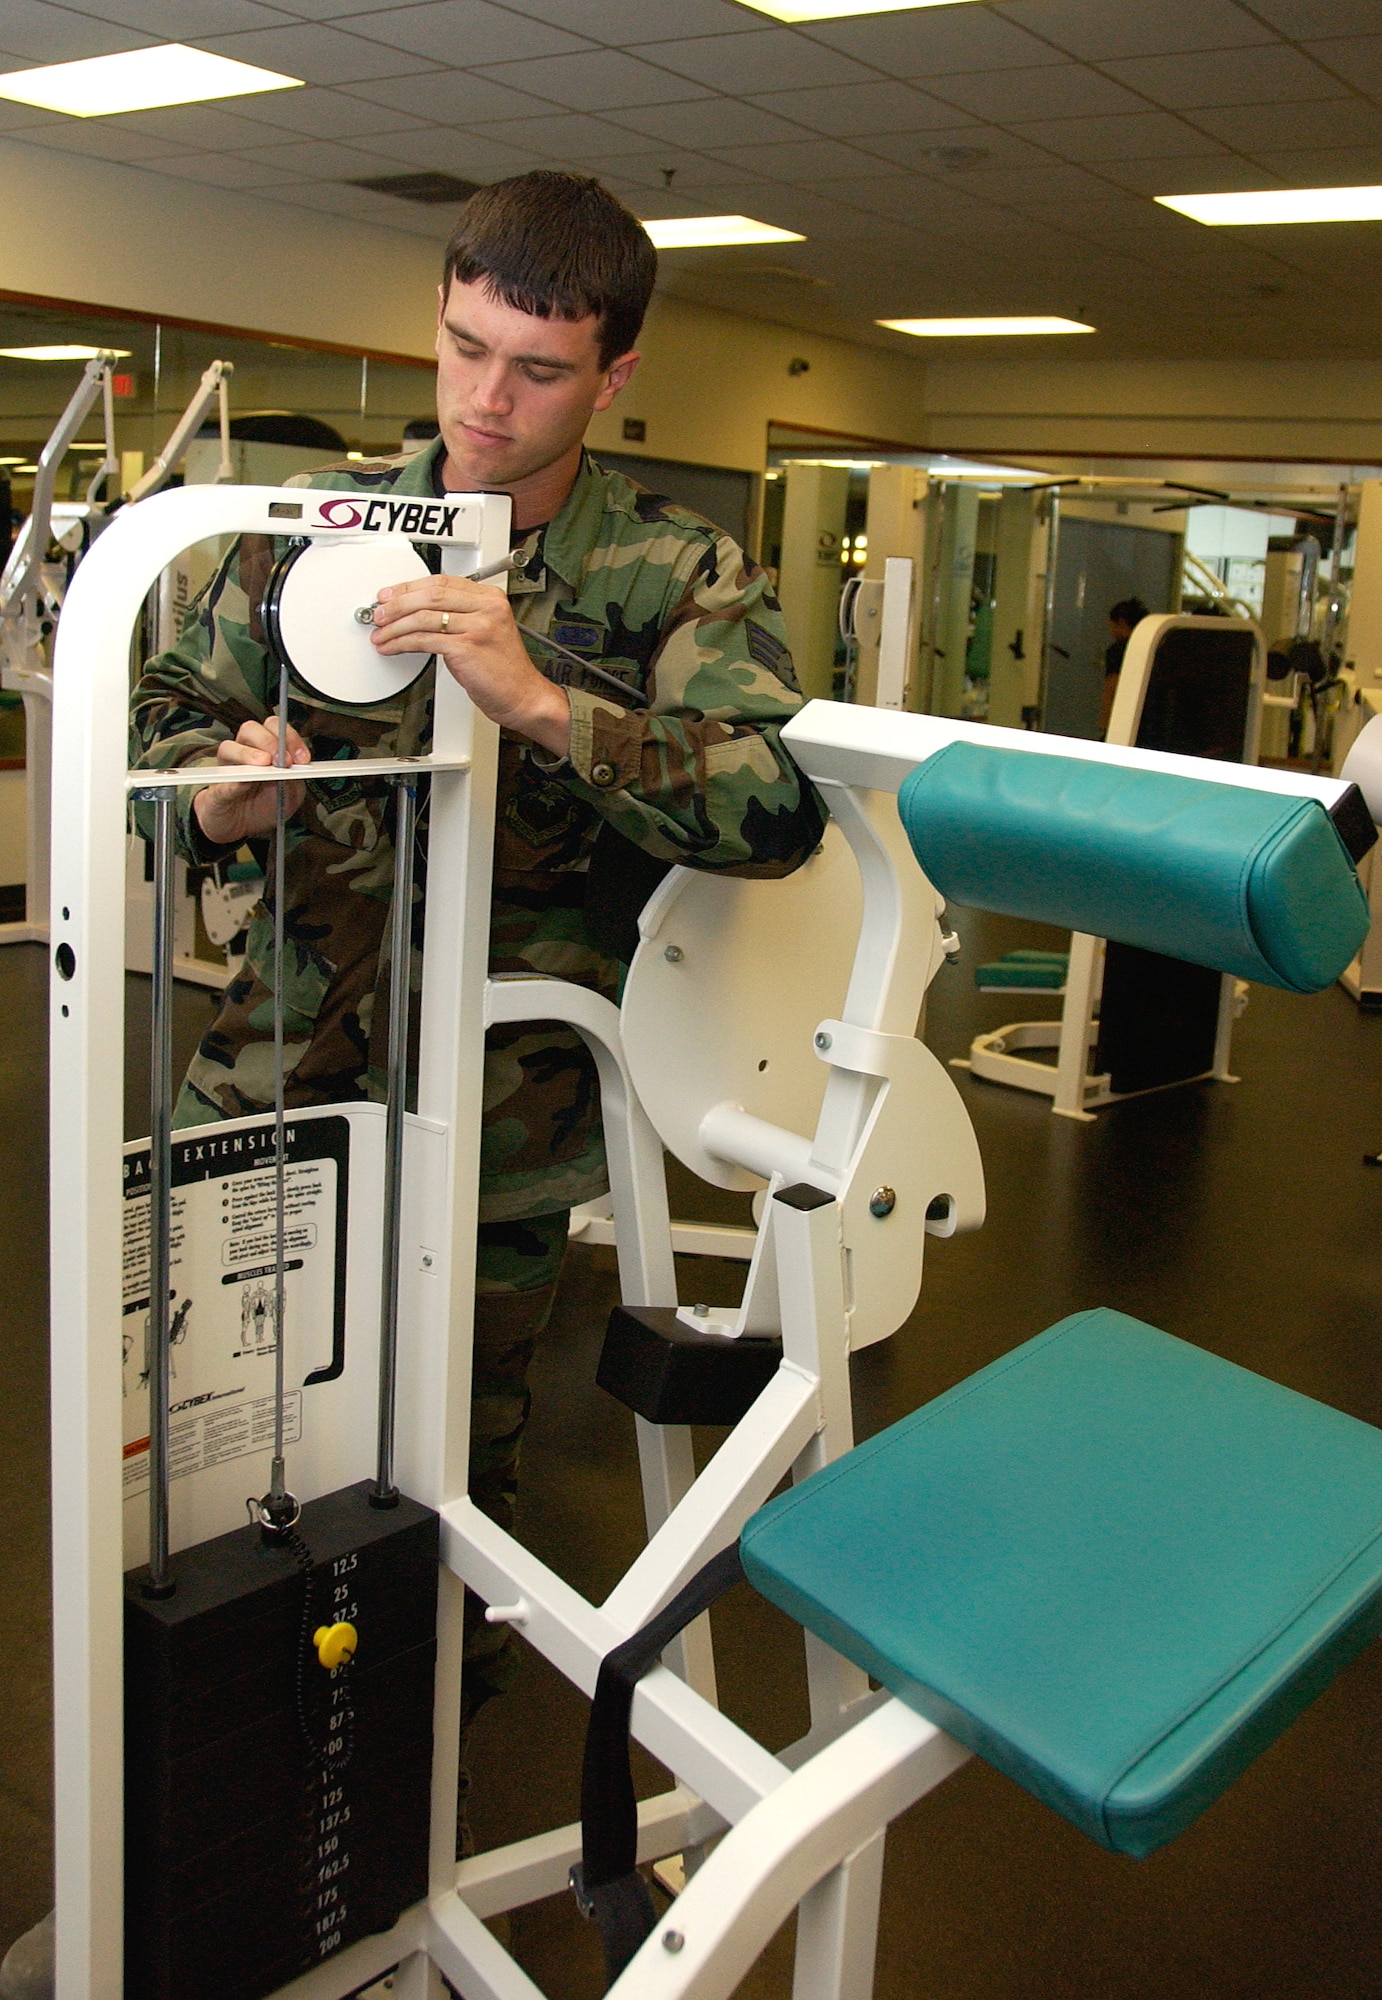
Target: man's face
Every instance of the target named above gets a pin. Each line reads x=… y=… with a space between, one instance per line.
x=515 y=392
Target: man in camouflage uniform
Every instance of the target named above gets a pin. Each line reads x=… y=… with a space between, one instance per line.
x=594 y=797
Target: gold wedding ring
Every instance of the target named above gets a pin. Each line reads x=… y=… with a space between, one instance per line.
x=446 y=621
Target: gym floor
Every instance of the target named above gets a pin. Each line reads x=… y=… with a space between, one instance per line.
x=1240 y=1217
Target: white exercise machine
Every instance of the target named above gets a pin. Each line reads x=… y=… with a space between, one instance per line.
x=279 y=1343
x=1174 y=693
x=32 y=590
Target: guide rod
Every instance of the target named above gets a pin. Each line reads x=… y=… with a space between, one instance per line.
x=385 y=1493
x=160 y=1191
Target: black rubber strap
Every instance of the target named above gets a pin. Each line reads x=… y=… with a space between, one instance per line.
x=607 y=1884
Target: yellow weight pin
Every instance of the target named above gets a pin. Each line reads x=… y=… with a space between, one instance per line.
x=335 y=1644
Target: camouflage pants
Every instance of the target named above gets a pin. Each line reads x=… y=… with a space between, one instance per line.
x=517 y=1266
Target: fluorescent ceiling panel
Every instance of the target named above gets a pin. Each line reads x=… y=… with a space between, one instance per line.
x=138 y=80
x=839 y=10
x=700 y=232
x=949 y=329
x=1349 y=204
x=60 y=353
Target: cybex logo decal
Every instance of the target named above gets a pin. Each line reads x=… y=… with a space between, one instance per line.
x=339 y=514
x=389 y=517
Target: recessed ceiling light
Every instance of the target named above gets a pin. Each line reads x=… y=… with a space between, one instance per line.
x=138 y=80
x=700 y=232
x=61 y=353
x=13 y=461
x=943 y=329
x=1351 y=204
x=837 y=10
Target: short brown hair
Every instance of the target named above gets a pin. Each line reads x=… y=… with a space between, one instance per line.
x=559 y=247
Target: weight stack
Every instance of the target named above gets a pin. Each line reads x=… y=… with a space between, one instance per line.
x=276 y=1811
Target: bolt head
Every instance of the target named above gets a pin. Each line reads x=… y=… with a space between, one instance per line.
x=701 y=1312
x=882 y=1202
x=672 y=1940
x=822 y=1040
x=674 y=954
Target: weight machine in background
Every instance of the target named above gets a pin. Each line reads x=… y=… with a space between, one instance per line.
x=1134 y=1020
x=32 y=592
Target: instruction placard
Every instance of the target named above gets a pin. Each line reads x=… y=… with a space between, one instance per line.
x=223 y=1289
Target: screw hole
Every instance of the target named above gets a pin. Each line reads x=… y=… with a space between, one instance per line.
x=65 y=959
x=64 y=1013
x=763 y=1065
x=66 y=916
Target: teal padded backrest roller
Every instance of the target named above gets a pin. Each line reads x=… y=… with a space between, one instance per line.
x=1254 y=883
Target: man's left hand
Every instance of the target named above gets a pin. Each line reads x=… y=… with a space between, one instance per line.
x=471 y=628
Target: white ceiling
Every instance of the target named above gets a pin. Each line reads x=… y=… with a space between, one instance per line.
x=990 y=157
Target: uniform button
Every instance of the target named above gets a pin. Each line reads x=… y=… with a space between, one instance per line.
x=602 y=775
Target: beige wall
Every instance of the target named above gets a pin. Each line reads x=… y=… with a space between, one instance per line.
x=710 y=383
x=72 y=228
x=1234 y=409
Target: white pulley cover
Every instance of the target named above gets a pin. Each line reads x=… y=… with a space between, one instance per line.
x=310 y=611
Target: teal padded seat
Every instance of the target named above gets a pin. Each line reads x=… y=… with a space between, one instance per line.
x=1112 y=1564
x=1254 y=883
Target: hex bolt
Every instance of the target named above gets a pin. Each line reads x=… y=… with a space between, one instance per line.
x=882 y=1202
x=672 y=1940
x=674 y=954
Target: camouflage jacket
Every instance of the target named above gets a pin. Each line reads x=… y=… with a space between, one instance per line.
x=653 y=593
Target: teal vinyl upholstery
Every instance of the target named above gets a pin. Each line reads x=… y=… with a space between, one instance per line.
x=1112 y=1564
x=1254 y=883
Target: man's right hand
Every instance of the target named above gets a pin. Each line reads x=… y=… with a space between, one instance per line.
x=229 y=814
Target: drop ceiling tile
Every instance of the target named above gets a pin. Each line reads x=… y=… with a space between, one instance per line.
x=1102 y=30
x=464 y=32
x=1323 y=166
x=1271 y=75
x=1357 y=59
x=958 y=151
x=770 y=59
x=860 y=108
x=571 y=134
x=198 y=128
x=226 y=170
x=714 y=121
x=1256 y=128
x=926 y=205
x=175 y=20
x=1302 y=20
x=450 y=97
x=643 y=170
x=449 y=152
x=715 y=198
x=805 y=161
x=629 y=23
x=1065 y=90
x=933 y=41
x=600 y=81
x=319 y=159
x=1134 y=136
x=316 y=54
x=328 y=114
x=96 y=137
x=1221 y=173
x=35 y=33
x=20 y=118
x=1038 y=186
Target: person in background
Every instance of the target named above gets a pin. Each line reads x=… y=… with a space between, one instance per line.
x=1122 y=617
